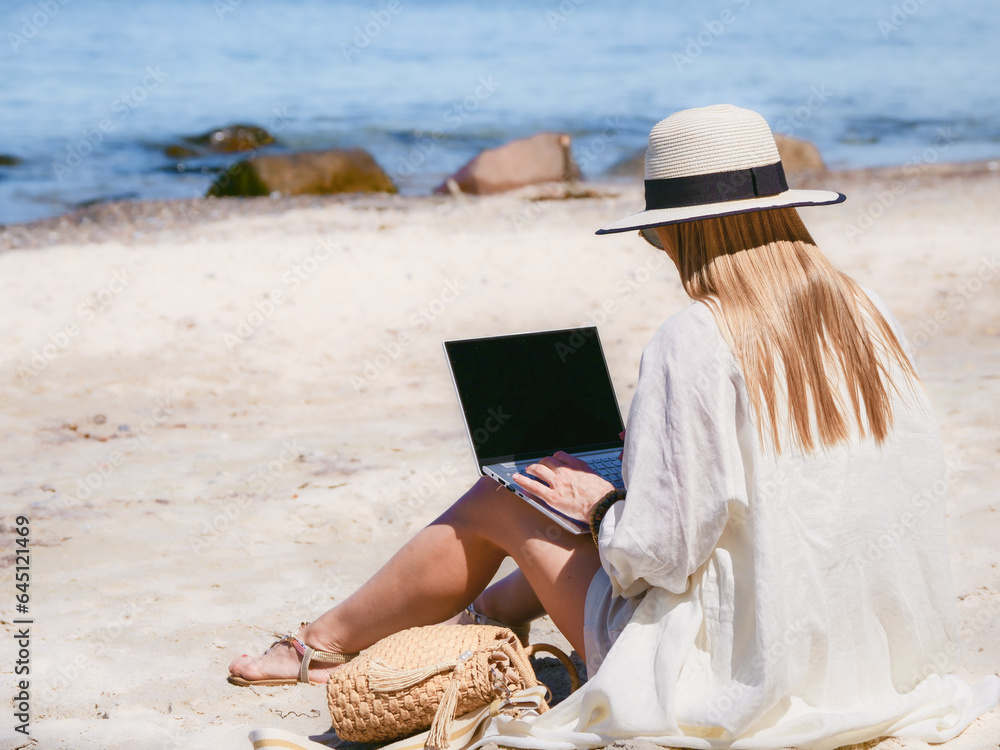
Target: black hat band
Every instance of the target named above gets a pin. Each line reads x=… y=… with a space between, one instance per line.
x=717 y=187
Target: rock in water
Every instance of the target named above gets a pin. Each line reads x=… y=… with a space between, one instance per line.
x=304 y=173
x=544 y=157
x=177 y=151
x=798 y=155
x=233 y=139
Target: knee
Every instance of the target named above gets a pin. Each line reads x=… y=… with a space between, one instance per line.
x=478 y=505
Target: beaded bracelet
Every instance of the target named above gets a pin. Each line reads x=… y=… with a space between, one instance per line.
x=600 y=510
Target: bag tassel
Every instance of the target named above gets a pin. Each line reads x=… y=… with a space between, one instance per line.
x=440 y=731
x=385 y=679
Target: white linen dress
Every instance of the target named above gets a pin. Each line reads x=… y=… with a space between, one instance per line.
x=754 y=600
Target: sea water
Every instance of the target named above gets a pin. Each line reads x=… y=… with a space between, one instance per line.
x=92 y=90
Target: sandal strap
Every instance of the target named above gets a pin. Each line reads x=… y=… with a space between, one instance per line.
x=310 y=654
x=521 y=631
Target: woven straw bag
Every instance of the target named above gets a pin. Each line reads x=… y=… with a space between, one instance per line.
x=428 y=676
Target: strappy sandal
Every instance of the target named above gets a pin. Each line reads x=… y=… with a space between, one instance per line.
x=521 y=631
x=308 y=655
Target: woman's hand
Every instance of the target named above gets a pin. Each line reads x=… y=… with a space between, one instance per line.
x=573 y=487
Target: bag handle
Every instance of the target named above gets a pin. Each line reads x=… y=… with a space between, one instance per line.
x=469 y=728
x=574 y=675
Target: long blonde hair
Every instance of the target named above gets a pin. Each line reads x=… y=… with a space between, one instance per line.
x=792 y=321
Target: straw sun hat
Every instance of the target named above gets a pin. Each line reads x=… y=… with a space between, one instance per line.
x=713 y=161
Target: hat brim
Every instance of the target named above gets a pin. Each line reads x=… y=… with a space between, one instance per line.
x=659 y=217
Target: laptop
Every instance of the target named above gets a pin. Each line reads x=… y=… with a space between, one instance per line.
x=526 y=396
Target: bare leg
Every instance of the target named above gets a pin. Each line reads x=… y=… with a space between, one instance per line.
x=443 y=568
x=510 y=600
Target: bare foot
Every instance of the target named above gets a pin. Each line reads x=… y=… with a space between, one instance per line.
x=280 y=662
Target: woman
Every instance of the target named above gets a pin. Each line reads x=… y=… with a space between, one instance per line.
x=777 y=574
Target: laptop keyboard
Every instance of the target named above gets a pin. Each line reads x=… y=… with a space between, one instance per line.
x=609 y=468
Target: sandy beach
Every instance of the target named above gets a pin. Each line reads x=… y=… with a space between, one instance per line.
x=224 y=414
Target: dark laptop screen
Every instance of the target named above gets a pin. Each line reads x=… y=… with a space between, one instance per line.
x=535 y=393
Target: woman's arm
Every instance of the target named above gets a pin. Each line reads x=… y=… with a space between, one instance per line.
x=683 y=463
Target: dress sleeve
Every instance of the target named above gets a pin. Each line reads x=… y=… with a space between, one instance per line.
x=683 y=466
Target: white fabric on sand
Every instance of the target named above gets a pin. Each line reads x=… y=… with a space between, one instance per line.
x=755 y=600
